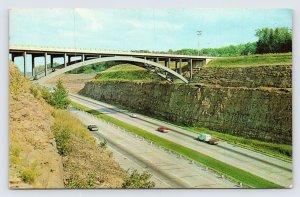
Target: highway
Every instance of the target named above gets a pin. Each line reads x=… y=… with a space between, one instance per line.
x=267 y=167
x=168 y=170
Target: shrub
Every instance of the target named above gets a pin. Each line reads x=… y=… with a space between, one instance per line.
x=14 y=154
x=134 y=179
x=103 y=145
x=60 y=97
x=77 y=182
x=62 y=136
x=28 y=175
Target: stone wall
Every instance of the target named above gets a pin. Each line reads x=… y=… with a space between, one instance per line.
x=258 y=113
x=257 y=76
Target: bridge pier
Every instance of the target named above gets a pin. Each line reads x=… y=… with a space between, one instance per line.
x=176 y=62
x=169 y=62
x=65 y=60
x=45 y=54
x=82 y=58
x=180 y=66
x=25 y=63
x=191 y=69
x=32 y=65
x=51 y=61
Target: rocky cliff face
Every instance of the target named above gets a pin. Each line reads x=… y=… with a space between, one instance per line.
x=251 y=77
x=262 y=113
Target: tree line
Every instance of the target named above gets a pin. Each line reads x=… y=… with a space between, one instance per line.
x=270 y=40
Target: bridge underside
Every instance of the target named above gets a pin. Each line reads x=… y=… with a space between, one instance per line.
x=164 y=72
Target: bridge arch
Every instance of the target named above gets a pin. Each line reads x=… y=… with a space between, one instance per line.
x=154 y=67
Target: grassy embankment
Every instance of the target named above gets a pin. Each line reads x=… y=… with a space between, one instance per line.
x=126 y=72
x=280 y=151
x=228 y=170
x=252 y=60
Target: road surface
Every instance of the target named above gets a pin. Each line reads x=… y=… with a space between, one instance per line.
x=168 y=169
x=267 y=167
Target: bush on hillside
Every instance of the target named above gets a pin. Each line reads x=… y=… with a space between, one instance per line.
x=62 y=138
x=134 y=179
x=59 y=97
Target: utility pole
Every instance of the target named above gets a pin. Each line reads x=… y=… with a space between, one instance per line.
x=199 y=33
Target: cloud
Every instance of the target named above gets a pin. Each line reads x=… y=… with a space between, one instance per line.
x=150 y=24
x=93 y=20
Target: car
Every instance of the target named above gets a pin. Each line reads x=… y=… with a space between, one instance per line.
x=208 y=139
x=163 y=129
x=132 y=115
x=93 y=127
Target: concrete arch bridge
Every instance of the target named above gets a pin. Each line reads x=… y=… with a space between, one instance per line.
x=156 y=63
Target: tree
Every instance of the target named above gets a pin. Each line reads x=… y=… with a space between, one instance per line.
x=277 y=40
x=60 y=96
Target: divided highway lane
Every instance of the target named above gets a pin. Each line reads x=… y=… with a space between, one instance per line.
x=269 y=168
x=168 y=170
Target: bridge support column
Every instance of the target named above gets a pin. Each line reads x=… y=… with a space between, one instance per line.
x=157 y=60
x=169 y=62
x=12 y=57
x=65 y=60
x=51 y=61
x=176 y=63
x=99 y=56
x=25 y=63
x=69 y=59
x=82 y=58
x=32 y=65
x=45 y=64
x=191 y=69
x=166 y=63
x=180 y=68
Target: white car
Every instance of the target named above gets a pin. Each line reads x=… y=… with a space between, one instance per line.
x=132 y=115
x=93 y=127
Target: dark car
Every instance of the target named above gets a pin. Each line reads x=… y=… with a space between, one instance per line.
x=93 y=128
x=163 y=129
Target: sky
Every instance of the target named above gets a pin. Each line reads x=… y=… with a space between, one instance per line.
x=141 y=29
x=134 y=29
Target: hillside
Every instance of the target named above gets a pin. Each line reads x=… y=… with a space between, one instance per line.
x=35 y=159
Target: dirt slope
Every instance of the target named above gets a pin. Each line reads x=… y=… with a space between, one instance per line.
x=34 y=161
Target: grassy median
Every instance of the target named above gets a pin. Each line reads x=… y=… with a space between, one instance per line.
x=232 y=172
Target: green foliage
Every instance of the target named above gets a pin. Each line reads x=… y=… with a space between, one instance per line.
x=103 y=145
x=129 y=75
x=93 y=68
x=134 y=179
x=81 y=182
x=274 y=40
x=14 y=154
x=219 y=166
x=28 y=175
x=62 y=139
x=231 y=50
x=252 y=60
x=59 y=98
